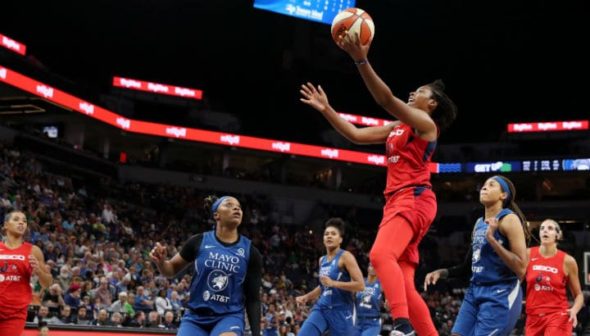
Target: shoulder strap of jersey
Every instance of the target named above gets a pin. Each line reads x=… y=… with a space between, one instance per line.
x=503 y=213
x=534 y=252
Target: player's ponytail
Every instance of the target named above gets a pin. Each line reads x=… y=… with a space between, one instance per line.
x=510 y=203
x=446 y=110
x=212 y=203
x=208 y=203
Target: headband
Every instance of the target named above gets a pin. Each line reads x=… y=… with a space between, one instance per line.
x=504 y=185
x=217 y=203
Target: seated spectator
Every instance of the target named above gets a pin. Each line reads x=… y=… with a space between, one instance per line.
x=53 y=298
x=142 y=301
x=65 y=315
x=82 y=317
x=119 y=305
x=104 y=292
x=175 y=301
x=163 y=303
x=169 y=322
x=138 y=320
x=97 y=306
x=88 y=304
x=153 y=320
x=72 y=297
x=43 y=329
x=42 y=315
x=102 y=319
x=65 y=276
x=117 y=320
x=129 y=305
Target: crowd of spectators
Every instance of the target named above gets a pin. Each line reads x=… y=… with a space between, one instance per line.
x=96 y=238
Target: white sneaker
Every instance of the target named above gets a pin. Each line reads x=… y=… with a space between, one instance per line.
x=401 y=333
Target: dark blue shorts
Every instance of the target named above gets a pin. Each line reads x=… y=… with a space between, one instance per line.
x=368 y=326
x=338 y=322
x=194 y=325
x=489 y=310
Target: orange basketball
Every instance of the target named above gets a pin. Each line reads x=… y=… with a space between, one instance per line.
x=351 y=21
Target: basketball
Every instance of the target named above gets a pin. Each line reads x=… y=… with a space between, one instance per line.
x=351 y=21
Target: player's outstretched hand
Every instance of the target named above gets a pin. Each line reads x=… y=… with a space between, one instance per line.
x=158 y=254
x=314 y=97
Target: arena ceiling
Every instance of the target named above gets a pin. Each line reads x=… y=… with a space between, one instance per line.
x=502 y=61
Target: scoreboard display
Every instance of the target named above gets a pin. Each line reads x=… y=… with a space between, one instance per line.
x=322 y=11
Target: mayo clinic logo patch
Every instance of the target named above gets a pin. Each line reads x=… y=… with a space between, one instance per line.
x=217 y=280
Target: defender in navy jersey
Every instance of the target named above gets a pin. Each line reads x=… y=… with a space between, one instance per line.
x=493 y=302
x=368 y=306
x=227 y=275
x=340 y=277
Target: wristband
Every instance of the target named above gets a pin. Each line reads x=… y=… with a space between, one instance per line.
x=361 y=62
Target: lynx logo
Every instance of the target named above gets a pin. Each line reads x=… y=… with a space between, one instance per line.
x=376 y=159
x=369 y=291
x=10 y=44
x=241 y=252
x=179 y=132
x=331 y=153
x=369 y=121
x=206 y=295
x=3 y=73
x=281 y=146
x=130 y=83
x=523 y=127
x=366 y=302
x=217 y=280
x=46 y=91
x=545 y=268
x=124 y=123
x=230 y=139
x=184 y=92
x=87 y=108
x=157 y=87
x=396 y=132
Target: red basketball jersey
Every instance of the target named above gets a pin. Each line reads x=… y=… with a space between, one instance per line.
x=546 y=282
x=408 y=157
x=15 y=276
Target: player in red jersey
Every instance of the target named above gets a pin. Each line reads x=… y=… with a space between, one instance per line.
x=410 y=203
x=19 y=260
x=549 y=272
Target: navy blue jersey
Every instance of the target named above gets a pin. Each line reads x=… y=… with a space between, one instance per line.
x=333 y=297
x=368 y=302
x=486 y=266
x=220 y=272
